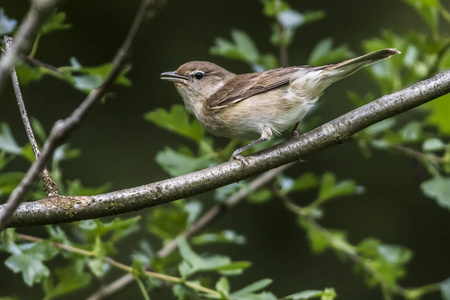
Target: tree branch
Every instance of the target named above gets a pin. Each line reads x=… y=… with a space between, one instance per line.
x=69 y=209
x=38 y=13
x=63 y=128
x=50 y=186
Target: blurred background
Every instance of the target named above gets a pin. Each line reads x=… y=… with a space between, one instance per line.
x=118 y=146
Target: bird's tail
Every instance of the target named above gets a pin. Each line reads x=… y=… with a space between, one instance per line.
x=348 y=67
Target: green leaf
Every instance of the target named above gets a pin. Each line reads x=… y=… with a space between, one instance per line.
x=97 y=266
x=438 y=116
x=27 y=73
x=433 y=144
x=38 y=130
x=304 y=182
x=176 y=163
x=70 y=279
x=226 y=236
x=92 y=77
x=260 y=196
x=7 y=25
x=76 y=188
x=251 y=288
x=330 y=189
x=445 y=289
x=320 y=240
x=223 y=286
x=29 y=261
x=117 y=229
x=324 y=53
x=386 y=260
x=9 y=181
x=290 y=18
x=310 y=294
x=438 y=188
x=7 y=142
x=273 y=7
x=242 y=47
x=178 y=121
x=168 y=222
x=193 y=262
x=411 y=132
x=55 y=22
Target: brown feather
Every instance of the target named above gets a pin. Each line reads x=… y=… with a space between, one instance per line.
x=245 y=86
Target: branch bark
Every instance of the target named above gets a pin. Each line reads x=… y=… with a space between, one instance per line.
x=69 y=209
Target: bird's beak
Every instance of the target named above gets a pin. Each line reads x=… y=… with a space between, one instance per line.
x=174 y=77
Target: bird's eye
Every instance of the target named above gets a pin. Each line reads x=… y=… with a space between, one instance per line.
x=199 y=75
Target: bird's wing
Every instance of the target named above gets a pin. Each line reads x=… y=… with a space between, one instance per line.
x=245 y=86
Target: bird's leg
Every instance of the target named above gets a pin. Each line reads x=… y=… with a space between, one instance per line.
x=294 y=132
x=266 y=134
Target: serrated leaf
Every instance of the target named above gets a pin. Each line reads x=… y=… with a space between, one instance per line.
x=92 y=77
x=438 y=188
x=387 y=260
x=330 y=189
x=7 y=25
x=194 y=263
x=55 y=22
x=251 y=288
x=30 y=260
x=178 y=121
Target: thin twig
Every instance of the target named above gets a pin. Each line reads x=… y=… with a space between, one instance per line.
x=121 y=266
x=63 y=128
x=36 y=16
x=207 y=219
x=347 y=249
x=50 y=186
x=69 y=209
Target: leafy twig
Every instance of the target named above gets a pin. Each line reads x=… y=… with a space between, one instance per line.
x=351 y=253
x=121 y=266
x=38 y=13
x=209 y=217
x=63 y=128
x=50 y=186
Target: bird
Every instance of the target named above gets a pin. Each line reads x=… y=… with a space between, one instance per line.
x=256 y=106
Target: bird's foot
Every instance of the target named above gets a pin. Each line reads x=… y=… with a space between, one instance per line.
x=295 y=134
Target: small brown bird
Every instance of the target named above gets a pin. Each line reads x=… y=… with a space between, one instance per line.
x=260 y=104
